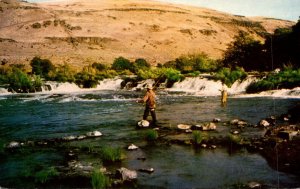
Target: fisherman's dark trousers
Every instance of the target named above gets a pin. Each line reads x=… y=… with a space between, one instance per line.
x=152 y=112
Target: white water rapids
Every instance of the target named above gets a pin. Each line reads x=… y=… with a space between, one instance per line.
x=198 y=86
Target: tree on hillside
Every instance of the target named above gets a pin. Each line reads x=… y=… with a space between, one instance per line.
x=284 y=47
x=121 y=64
x=245 y=52
x=41 y=67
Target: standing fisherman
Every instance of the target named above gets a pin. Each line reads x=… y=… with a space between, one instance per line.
x=149 y=99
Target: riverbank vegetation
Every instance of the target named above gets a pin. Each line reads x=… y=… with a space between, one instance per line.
x=245 y=54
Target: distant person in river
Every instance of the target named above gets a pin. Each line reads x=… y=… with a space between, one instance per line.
x=149 y=99
x=224 y=95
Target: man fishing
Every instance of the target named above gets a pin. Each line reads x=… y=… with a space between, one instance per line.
x=149 y=99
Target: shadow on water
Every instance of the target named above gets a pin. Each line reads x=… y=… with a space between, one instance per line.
x=36 y=117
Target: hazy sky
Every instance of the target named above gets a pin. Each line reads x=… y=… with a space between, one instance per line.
x=282 y=9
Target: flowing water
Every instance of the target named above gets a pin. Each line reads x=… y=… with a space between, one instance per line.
x=115 y=113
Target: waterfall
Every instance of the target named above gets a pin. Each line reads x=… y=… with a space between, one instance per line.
x=109 y=84
x=206 y=87
x=55 y=87
x=198 y=86
x=239 y=87
x=52 y=86
x=3 y=91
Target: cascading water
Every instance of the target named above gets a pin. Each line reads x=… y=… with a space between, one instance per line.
x=199 y=86
x=207 y=87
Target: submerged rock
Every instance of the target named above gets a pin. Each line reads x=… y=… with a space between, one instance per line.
x=69 y=138
x=147 y=170
x=126 y=174
x=216 y=120
x=94 y=134
x=13 y=144
x=254 y=185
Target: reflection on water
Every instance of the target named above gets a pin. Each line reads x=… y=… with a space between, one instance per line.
x=24 y=117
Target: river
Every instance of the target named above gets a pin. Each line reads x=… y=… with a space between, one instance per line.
x=115 y=113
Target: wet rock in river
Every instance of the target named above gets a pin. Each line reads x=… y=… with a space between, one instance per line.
x=94 y=134
x=254 y=185
x=147 y=170
x=209 y=127
x=13 y=144
x=69 y=138
x=238 y=123
x=126 y=174
x=143 y=123
x=184 y=126
x=216 y=120
x=132 y=147
x=263 y=123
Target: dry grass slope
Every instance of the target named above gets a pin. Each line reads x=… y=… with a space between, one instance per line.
x=87 y=31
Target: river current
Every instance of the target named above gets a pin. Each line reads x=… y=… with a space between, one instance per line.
x=115 y=113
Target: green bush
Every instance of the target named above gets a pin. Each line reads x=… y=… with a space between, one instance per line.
x=235 y=139
x=147 y=74
x=194 y=62
x=171 y=75
x=41 y=67
x=287 y=78
x=99 y=66
x=99 y=180
x=63 y=73
x=87 y=77
x=228 y=76
x=19 y=81
x=121 y=64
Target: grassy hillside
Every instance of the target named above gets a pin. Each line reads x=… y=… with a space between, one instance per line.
x=88 y=31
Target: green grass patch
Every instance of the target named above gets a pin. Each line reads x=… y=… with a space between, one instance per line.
x=99 y=180
x=197 y=137
x=109 y=154
x=44 y=175
x=151 y=135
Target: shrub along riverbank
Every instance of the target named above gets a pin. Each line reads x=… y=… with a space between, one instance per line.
x=17 y=79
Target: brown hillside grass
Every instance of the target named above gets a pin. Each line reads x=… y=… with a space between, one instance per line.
x=87 y=31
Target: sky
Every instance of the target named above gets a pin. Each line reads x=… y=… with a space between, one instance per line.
x=281 y=9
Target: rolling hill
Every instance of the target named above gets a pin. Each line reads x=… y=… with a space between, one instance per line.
x=80 y=32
